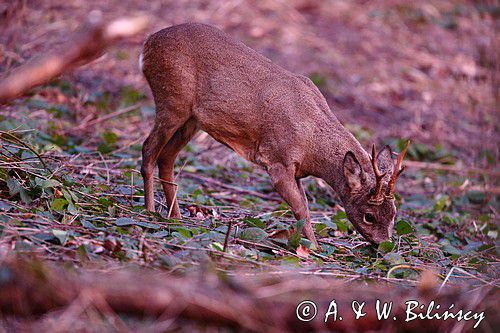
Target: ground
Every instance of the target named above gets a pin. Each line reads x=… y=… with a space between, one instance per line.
x=70 y=190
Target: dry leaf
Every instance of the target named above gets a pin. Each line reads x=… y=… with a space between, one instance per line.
x=280 y=234
x=303 y=251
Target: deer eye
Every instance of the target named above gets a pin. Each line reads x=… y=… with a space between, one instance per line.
x=369 y=218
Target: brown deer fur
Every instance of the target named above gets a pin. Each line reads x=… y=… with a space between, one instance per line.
x=202 y=79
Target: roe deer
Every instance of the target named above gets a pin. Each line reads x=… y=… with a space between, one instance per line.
x=201 y=78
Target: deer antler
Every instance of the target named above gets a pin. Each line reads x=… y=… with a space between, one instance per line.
x=377 y=197
x=397 y=171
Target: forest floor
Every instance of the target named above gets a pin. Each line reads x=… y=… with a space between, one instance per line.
x=70 y=190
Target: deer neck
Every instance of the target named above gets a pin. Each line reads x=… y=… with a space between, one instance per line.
x=328 y=157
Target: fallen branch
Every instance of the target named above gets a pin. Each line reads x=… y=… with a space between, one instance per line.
x=214 y=182
x=83 y=46
x=263 y=303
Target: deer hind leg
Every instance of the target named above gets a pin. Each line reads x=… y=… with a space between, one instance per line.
x=290 y=189
x=166 y=162
x=160 y=134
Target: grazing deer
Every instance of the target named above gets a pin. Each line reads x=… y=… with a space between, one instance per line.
x=201 y=78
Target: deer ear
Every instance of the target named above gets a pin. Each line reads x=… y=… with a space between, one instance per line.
x=353 y=172
x=385 y=162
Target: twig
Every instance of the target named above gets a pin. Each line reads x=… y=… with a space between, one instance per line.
x=132 y=190
x=176 y=189
x=84 y=46
x=16 y=139
x=108 y=116
x=226 y=240
x=446 y=279
x=231 y=187
x=401 y=267
x=107 y=168
x=450 y=168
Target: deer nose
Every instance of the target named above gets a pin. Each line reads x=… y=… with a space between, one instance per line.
x=377 y=240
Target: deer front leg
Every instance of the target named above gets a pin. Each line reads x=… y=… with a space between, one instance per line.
x=290 y=189
x=308 y=230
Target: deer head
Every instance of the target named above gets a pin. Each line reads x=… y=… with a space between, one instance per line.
x=370 y=202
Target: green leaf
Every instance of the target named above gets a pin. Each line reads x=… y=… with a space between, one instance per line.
x=290 y=260
x=104 y=148
x=169 y=261
x=394 y=258
x=294 y=240
x=59 y=204
x=253 y=234
x=105 y=202
x=25 y=197
x=160 y=234
x=341 y=226
x=403 y=227
x=450 y=249
x=300 y=225
x=46 y=183
x=90 y=225
x=492 y=234
x=184 y=232
x=486 y=247
x=82 y=252
x=255 y=222
x=14 y=186
x=476 y=197
x=70 y=196
x=47 y=237
x=307 y=243
x=386 y=246
x=6 y=206
x=217 y=246
x=443 y=203
x=61 y=235
x=340 y=219
x=125 y=221
x=131 y=96
x=109 y=137
x=148 y=225
x=318 y=80
x=339 y=215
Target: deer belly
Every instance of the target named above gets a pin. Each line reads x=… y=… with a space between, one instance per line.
x=230 y=128
x=244 y=148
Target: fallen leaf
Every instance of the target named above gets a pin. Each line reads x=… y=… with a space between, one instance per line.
x=280 y=234
x=57 y=193
x=302 y=251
